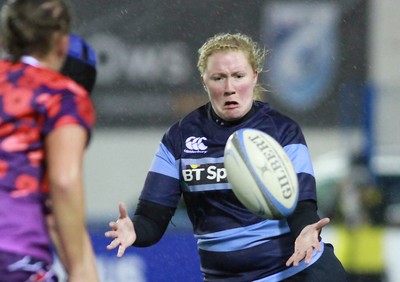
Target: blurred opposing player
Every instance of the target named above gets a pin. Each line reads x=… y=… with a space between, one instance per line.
x=45 y=122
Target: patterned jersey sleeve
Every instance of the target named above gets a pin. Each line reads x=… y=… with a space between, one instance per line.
x=69 y=105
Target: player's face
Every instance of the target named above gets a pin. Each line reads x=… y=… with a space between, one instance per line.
x=230 y=80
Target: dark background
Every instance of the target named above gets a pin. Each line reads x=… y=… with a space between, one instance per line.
x=139 y=42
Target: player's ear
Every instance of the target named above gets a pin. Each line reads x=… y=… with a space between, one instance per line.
x=62 y=43
x=255 y=79
x=59 y=49
x=204 y=84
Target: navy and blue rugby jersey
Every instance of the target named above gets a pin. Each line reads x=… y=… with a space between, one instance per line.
x=234 y=244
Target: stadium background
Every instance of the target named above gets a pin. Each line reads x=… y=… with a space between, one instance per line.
x=333 y=66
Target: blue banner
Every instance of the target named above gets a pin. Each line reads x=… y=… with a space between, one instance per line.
x=174 y=258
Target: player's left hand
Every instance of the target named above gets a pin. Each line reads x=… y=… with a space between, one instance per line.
x=306 y=242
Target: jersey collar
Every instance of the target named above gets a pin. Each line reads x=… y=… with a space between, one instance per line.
x=29 y=60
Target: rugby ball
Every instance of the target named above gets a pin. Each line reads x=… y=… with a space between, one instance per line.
x=261 y=174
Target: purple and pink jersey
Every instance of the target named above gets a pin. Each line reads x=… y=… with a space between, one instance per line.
x=33 y=102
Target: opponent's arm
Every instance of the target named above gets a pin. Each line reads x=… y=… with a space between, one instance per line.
x=64 y=155
x=54 y=235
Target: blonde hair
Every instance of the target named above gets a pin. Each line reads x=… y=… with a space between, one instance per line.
x=233 y=42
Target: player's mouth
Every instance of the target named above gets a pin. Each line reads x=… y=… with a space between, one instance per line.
x=231 y=104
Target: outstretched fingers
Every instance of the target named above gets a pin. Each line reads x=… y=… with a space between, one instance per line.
x=113 y=234
x=121 y=251
x=309 y=255
x=113 y=225
x=121 y=231
x=114 y=243
x=122 y=210
x=307 y=242
x=322 y=223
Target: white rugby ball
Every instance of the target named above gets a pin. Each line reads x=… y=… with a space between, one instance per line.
x=261 y=174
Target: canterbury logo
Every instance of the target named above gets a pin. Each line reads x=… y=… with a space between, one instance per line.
x=195 y=145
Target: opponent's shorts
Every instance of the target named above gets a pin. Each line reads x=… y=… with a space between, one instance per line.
x=19 y=268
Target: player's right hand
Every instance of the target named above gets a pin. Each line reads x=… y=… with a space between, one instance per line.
x=122 y=231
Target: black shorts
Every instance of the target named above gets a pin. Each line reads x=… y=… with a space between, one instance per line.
x=327 y=268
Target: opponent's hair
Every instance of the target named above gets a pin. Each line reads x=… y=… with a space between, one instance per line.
x=223 y=42
x=28 y=25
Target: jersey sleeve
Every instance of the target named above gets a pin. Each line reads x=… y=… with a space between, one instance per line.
x=162 y=185
x=294 y=144
x=64 y=108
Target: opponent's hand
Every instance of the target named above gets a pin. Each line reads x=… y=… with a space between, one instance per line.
x=122 y=231
x=306 y=242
